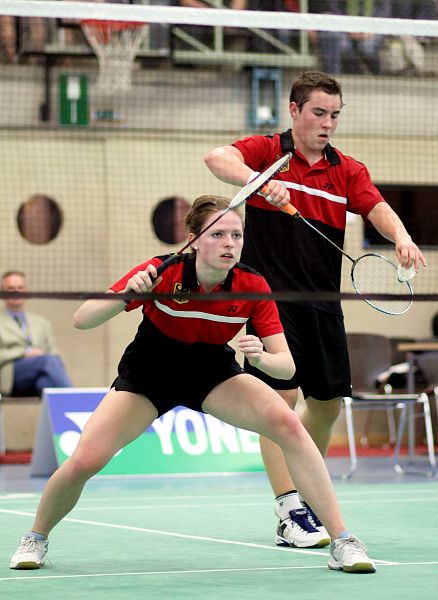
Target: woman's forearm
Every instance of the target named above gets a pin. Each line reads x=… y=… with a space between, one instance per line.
x=95 y=312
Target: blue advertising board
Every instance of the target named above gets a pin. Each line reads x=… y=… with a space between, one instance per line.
x=181 y=441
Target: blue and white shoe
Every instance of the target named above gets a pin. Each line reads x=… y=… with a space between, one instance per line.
x=298 y=532
x=313 y=518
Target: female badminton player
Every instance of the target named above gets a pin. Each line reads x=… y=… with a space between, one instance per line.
x=180 y=356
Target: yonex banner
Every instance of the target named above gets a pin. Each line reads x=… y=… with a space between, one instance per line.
x=181 y=441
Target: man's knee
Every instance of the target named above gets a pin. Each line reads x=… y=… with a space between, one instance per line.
x=55 y=370
x=324 y=410
x=50 y=360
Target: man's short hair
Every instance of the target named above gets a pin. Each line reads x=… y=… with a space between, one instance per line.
x=9 y=273
x=309 y=81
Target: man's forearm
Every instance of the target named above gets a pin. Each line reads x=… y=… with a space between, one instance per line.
x=227 y=165
x=388 y=224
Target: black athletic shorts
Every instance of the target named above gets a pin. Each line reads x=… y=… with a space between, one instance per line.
x=172 y=373
x=318 y=345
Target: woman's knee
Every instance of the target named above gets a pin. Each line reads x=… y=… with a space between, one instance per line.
x=284 y=426
x=83 y=466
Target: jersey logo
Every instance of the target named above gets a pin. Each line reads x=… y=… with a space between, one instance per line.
x=232 y=308
x=285 y=167
x=180 y=299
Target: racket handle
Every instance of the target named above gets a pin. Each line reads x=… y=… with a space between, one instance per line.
x=166 y=263
x=290 y=210
x=161 y=268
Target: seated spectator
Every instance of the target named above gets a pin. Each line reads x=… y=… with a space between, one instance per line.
x=406 y=54
x=29 y=358
x=342 y=52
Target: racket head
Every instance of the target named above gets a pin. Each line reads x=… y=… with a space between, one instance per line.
x=244 y=194
x=376 y=274
x=254 y=186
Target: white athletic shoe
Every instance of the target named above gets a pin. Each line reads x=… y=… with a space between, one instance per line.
x=297 y=531
x=350 y=555
x=30 y=554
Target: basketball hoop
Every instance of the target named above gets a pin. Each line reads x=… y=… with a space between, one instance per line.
x=116 y=44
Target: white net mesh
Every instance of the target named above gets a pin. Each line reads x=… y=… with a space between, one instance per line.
x=90 y=189
x=194 y=88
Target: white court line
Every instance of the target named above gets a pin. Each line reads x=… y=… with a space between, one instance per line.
x=194 y=571
x=18 y=496
x=186 y=536
x=143 y=573
x=173 y=534
x=341 y=493
x=224 y=504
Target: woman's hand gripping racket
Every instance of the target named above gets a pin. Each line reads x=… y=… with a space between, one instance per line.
x=249 y=190
x=371 y=274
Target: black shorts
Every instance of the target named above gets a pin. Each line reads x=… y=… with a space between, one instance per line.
x=318 y=345
x=172 y=373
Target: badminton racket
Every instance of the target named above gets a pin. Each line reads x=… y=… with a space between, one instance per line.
x=249 y=190
x=371 y=274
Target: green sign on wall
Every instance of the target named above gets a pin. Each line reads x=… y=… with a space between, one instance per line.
x=73 y=99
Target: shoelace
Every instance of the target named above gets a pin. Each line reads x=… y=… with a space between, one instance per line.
x=350 y=541
x=31 y=544
x=300 y=517
x=312 y=516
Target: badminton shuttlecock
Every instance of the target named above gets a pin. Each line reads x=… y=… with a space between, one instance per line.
x=406 y=274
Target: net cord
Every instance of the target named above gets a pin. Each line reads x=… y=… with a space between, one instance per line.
x=218 y=17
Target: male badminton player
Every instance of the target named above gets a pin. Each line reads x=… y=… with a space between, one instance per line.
x=181 y=356
x=323 y=184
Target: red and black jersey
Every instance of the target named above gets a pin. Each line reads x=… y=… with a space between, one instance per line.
x=283 y=249
x=189 y=320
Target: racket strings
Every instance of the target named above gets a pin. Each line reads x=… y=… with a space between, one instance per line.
x=373 y=274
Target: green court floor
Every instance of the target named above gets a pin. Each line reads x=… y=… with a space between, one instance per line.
x=212 y=538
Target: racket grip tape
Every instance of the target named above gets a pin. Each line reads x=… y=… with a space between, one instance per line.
x=161 y=268
x=166 y=263
x=290 y=210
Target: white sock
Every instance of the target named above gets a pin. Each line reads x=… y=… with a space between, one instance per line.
x=285 y=503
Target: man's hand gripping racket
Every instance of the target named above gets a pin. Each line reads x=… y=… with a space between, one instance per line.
x=371 y=274
x=247 y=192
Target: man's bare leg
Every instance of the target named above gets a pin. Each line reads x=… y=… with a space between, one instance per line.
x=318 y=418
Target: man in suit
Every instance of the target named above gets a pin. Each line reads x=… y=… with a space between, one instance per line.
x=29 y=357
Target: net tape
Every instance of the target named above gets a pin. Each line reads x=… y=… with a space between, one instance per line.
x=218 y=17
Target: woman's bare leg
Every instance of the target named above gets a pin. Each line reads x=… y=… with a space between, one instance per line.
x=119 y=419
x=246 y=402
x=273 y=457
